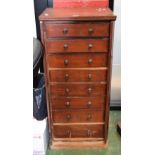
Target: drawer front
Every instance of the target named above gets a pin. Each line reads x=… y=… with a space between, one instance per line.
x=72 y=75
x=77 y=103
x=78 y=116
x=76 y=45
x=77 y=30
x=78 y=89
x=77 y=60
x=78 y=131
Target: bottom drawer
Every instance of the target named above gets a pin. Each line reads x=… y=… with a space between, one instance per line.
x=78 y=131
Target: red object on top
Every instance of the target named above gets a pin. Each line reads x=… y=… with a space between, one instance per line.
x=80 y=3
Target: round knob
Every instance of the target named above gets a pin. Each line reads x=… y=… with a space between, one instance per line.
x=89 y=104
x=90 y=46
x=89 y=76
x=67 y=90
x=68 y=116
x=65 y=30
x=66 y=77
x=66 y=62
x=65 y=46
x=89 y=116
x=89 y=90
x=90 y=61
x=90 y=30
x=67 y=104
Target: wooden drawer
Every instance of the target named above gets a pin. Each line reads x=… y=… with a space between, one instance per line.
x=77 y=116
x=79 y=75
x=76 y=45
x=77 y=30
x=78 y=89
x=77 y=103
x=78 y=131
x=77 y=60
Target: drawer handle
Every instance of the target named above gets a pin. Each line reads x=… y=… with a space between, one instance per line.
x=90 y=46
x=66 y=77
x=89 y=76
x=65 y=30
x=90 y=30
x=68 y=117
x=89 y=133
x=89 y=117
x=66 y=62
x=89 y=104
x=67 y=90
x=65 y=46
x=67 y=104
x=89 y=90
x=90 y=61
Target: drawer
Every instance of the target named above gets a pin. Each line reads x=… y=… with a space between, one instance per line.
x=79 y=75
x=76 y=45
x=77 y=116
x=77 y=30
x=78 y=131
x=77 y=60
x=78 y=89
x=77 y=103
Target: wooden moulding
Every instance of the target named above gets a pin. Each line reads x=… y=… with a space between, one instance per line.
x=78 y=145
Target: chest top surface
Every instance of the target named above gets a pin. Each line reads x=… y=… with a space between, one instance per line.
x=77 y=14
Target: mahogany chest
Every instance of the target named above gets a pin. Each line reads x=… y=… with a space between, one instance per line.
x=77 y=65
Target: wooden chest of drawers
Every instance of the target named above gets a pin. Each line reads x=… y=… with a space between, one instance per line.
x=77 y=64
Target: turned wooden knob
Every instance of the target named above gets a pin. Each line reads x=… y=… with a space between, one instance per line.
x=66 y=77
x=66 y=62
x=89 y=104
x=89 y=76
x=90 y=46
x=90 y=61
x=65 y=30
x=65 y=46
x=90 y=30
x=68 y=116
x=67 y=90
x=67 y=104
x=89 y=90
x=89 y=117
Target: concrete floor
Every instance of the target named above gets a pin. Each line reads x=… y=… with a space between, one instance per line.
x=114 y=145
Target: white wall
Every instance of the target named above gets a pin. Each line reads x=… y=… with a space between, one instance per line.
x=116 y=70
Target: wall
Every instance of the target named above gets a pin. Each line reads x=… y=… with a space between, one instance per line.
x=116 y=71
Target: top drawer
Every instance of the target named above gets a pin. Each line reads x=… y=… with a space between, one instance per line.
x=77 y=30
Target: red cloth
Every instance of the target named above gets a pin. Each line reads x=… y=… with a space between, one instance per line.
x=80 y=3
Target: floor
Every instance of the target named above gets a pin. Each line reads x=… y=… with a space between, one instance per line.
x=114 y=145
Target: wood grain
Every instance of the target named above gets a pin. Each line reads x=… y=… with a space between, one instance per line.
x=77 y=60
x=77 y=30
x=71 y=116
x=66 y=103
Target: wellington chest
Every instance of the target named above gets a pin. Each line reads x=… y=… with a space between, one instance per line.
x=77 y=63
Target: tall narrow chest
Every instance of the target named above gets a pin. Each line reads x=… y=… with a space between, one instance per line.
x=77 y=64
